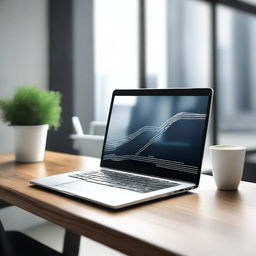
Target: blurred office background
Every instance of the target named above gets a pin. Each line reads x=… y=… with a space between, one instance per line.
x=87 y=48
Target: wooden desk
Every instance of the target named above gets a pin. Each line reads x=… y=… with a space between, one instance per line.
x=203 y=222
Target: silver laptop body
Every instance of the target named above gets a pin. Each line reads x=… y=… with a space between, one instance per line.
x=153 y=148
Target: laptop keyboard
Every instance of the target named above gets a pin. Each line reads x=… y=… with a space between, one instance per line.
x=124 y=181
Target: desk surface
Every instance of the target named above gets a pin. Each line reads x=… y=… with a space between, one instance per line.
x=203 y=222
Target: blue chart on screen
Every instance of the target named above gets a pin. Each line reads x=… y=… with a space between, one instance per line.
x=165 y=134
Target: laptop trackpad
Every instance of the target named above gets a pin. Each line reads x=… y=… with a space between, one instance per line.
x=93 y=191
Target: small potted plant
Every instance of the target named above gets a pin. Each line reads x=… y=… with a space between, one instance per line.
x=31 y=112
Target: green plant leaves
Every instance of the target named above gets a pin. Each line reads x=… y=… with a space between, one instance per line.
x=31 y=106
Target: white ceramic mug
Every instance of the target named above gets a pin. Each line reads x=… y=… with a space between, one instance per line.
x=227 y=165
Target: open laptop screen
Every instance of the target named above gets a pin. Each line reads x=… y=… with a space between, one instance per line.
x=161 y=135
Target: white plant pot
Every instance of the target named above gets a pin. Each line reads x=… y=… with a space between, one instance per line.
x=30 y=142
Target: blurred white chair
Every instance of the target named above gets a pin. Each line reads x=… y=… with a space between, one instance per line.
x=88 y=144
x=97 y=128
x=77 y=125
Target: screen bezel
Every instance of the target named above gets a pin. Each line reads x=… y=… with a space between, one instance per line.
x=159 y=92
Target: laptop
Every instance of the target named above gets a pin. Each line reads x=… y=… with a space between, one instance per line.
x=153 y=148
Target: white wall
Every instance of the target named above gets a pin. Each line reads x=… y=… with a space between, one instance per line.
x=23 y=51
x=23 y=60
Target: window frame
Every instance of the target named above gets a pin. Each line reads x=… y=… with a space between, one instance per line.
x=235 y=4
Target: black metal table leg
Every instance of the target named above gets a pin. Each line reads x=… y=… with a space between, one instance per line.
x=3 y=204
x=71 y=244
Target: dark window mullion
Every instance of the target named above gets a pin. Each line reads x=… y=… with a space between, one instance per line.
x=214 y=72
x=236 y=4
x=142 y=43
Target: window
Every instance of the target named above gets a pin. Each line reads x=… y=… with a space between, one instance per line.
x=178 y=53
x=116 y=50
x=237 y=78
x=178 y=46
x=178 y=43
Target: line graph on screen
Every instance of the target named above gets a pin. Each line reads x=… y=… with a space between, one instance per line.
x=154 y=133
